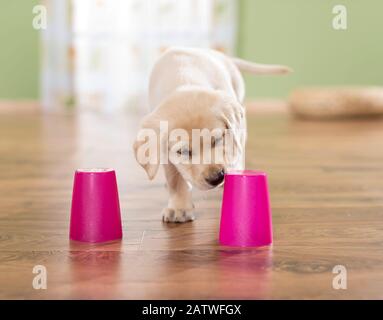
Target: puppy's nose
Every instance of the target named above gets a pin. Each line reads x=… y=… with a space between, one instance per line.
x=217 y=178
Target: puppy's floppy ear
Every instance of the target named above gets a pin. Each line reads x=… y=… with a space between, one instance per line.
x=232 y=114
x=147 y=145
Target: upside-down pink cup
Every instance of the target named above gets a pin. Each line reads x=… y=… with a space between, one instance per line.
x=95 y=214
x=245 y=214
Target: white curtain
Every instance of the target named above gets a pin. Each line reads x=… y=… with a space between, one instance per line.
x=57 y=56
x=113 y=44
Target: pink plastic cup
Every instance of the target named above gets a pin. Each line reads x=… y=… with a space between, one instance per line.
x=95 y=214
x=246 y=213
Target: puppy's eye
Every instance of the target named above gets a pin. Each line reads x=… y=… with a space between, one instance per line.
x=184 y=152
x=216 y=141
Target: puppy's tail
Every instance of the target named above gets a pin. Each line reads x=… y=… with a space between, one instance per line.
x=257 y=68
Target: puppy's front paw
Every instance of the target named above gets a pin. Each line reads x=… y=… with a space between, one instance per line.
x=177 y=215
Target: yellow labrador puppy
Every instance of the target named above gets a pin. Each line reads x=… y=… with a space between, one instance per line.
x=197 y=122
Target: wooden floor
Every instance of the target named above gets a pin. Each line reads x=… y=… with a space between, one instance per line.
x=326 y=184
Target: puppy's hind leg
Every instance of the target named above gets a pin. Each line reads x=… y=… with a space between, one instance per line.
x=180 y=206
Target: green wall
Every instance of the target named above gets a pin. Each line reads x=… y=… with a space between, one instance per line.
x=299 y=33
x=19 y=50
x=295 y=32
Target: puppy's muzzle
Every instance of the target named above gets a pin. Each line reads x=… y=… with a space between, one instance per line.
x=216 y=178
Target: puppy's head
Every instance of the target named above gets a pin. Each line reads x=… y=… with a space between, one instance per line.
x=197 y=131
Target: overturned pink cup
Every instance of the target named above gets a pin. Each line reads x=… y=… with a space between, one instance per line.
x=246 y=214
x=95 y=214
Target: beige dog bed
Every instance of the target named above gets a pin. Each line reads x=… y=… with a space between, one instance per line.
x=328 y=103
